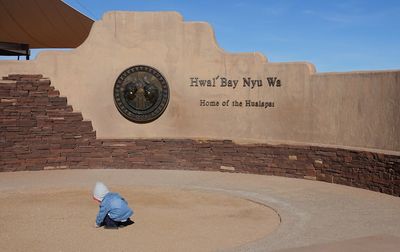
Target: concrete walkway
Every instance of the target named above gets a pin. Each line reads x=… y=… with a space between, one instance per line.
x=314 y=215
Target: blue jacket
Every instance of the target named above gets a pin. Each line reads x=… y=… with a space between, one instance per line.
x=115 y=206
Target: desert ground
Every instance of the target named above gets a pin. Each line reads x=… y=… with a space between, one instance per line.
x=165 y=220
x=193 y=211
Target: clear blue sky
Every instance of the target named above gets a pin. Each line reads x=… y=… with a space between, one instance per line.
x=334 y=35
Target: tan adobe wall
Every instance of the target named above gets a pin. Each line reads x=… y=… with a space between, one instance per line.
x=356 y=110
x=39 y=130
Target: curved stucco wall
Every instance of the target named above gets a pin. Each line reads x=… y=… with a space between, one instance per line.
x=357 y=109
x=348 y=109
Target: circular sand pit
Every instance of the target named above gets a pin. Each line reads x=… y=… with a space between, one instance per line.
x=165 y=220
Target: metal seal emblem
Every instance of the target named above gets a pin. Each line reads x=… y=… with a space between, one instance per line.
x=141 y=94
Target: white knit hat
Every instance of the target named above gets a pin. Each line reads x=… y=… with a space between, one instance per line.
x=100 y=190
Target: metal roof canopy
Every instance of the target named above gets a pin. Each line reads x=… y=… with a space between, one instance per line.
x=42 y=24
x=14 y=49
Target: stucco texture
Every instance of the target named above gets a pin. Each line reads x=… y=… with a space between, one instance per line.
x=357 y=110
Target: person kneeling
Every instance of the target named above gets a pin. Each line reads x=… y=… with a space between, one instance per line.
x=114 y=211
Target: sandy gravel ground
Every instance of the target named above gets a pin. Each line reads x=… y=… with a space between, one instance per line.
x=165 y=220
x=194 y=211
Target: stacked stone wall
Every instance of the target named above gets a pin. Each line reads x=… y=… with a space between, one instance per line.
x=38 y=128
x=40 y=131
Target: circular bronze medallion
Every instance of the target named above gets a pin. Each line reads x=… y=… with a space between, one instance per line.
x=141 y=94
